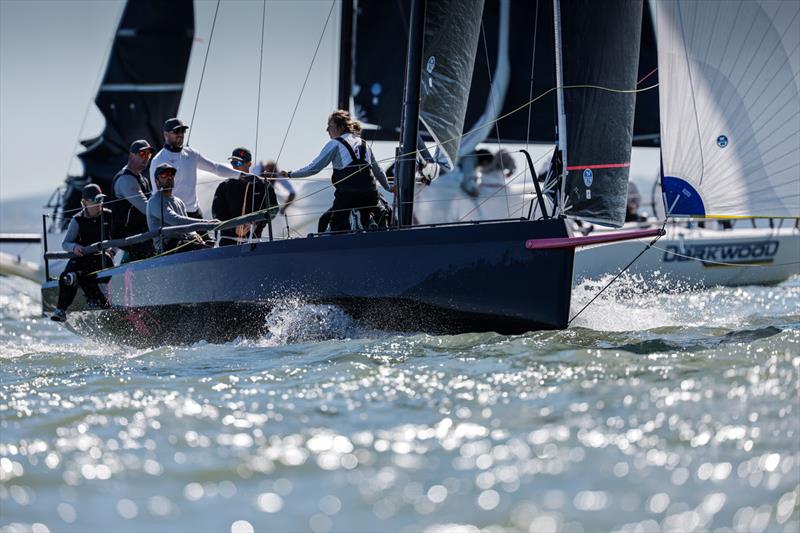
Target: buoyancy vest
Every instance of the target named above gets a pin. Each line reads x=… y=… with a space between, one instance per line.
x=127 y=219
x=89 y=228
x=240 y=196
x=357 y=176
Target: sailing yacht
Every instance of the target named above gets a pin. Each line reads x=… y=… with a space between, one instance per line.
x=407 y=277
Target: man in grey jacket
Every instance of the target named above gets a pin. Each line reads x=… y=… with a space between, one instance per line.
x=130 y=190
x=164 y=209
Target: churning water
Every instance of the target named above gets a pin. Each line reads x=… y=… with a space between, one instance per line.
x=674 y=411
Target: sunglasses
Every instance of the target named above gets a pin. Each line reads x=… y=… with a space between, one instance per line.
x=147 y=154
x=237 y=163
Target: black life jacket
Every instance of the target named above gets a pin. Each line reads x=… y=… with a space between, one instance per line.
x=89 y=228
x=357 y=176
x=127 y=219
x=243 y=195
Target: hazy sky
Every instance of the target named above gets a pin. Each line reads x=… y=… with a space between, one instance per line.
x=52 y=58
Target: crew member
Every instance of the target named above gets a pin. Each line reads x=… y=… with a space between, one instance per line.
x=165 y=209
x=239 y=196
x=90 y=225
x=186 y=162
x=632 y=205
x=352 y=160
x=131 y=190
x=272 y=173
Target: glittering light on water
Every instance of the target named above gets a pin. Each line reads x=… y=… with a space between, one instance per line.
x=680 y=427
x=269 y=502
x=242 y=526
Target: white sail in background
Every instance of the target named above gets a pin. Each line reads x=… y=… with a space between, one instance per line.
x=729 y=74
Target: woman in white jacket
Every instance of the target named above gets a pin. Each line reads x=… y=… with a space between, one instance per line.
x=354 y=173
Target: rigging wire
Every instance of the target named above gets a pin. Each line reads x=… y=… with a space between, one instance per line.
x=258 y=112
x=260 y=75
x=296 y=105
x=615 y=278
x=203 y=71
x=305 y=81
x=494 y=105
x=530 y=89
x=96 y=85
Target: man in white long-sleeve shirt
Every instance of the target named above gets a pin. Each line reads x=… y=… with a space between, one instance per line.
x=187 y=162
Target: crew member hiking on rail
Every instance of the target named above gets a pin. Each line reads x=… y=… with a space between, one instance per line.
x=186 y=162
x=352 y=160
x=239 y=196
x=164 y=209
x=131 y=190
x=92 y=224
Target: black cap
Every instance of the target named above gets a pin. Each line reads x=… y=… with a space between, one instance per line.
x=241 y=154
x=139 y=145
x=175 y=124
x=92 y=192
x=163 y=167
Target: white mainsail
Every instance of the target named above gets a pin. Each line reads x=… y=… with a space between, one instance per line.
x=729 y=75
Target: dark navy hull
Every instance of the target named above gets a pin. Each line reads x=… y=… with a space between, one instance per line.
x=449 y=279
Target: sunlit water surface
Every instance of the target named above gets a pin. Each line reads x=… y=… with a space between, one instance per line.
x=652 y=412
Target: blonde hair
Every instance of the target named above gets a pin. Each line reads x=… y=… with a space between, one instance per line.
x=344 y=122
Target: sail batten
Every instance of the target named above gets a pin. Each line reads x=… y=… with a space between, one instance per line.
x=142 y=87
x=736 y=151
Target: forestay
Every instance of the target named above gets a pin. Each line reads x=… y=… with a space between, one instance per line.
x=452 y=28
x=730 y=110
x=601 y=57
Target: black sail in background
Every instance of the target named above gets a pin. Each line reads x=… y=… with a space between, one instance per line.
x=142 y=84
x=452 y=28
x=601 y=49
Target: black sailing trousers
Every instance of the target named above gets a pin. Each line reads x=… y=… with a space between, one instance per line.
x=343 y=202
x=83 y=268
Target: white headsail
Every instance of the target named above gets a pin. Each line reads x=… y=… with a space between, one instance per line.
x=729 y=74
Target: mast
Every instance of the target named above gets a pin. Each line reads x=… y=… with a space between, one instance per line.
x=346 y=54
x=409 y=126
x=562 y=115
